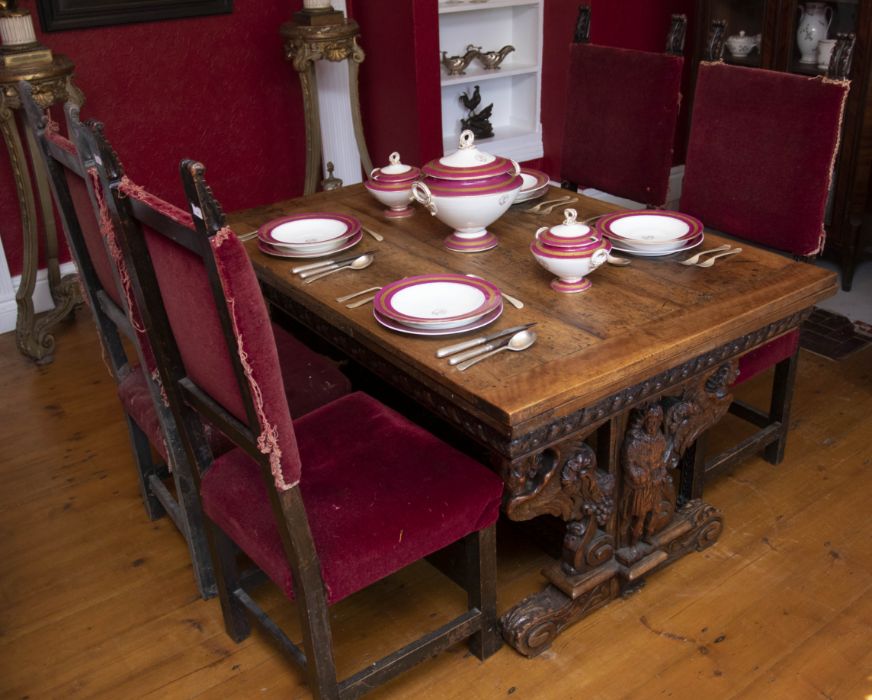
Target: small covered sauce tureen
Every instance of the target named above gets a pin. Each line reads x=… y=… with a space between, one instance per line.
x=392 y=186
x=571 y=250
x=469 y=190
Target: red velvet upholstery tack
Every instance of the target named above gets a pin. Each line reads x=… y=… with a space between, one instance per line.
x=762 y=358
x=379 y=492
x=621 y=113
x=761 y=152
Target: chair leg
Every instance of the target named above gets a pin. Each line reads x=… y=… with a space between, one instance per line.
x=779 y=409
x=195 y=532
x=481 y=567
x=227 y=581
x=145 y=468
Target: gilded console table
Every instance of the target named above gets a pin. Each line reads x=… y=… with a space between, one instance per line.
x=52 y=82
x=304 y=45
x=596 y=423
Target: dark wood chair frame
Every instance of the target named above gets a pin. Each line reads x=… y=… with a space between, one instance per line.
x=674 y=47
x=190 y=403
x=773 y=426
x=113 y=322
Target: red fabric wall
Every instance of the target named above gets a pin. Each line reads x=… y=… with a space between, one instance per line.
x=212 y=88
x=219 y=90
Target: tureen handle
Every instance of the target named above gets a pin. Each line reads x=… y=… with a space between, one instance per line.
x=394 y=158
x=570 y=216
x=599 y=257
x=538 y=233
x=517 y=167
x=422 y=194
x=467 y=138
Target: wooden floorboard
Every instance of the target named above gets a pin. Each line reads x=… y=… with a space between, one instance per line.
x=98 y=602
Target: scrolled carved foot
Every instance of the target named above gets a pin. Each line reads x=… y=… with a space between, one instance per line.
x=707 y=521
x=535 y=622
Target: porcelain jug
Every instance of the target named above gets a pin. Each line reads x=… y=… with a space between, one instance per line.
x=814 y=22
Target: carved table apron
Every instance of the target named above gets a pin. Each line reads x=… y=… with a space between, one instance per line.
x=597 y=421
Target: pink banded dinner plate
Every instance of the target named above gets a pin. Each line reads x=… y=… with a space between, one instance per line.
x=310 y=232
x=687 y=245
x=437 y=301
x=646 y=227
x=281 y=252
x=481 y=322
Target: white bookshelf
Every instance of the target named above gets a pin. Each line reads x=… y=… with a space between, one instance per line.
x=515 y=89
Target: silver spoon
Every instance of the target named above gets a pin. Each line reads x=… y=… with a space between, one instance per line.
x=711 y=261
x=694 y=259
x=617 y=260
x=514 y=301
x=357 y=264
x=518 y=342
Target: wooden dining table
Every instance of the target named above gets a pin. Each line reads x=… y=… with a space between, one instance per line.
x=596 y=422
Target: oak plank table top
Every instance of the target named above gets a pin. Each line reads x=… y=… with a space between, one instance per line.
x=594 y=424
x=634 y=323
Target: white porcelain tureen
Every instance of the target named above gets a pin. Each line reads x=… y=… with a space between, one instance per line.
x=469 y=190
x=392 y=186
x=571 y=250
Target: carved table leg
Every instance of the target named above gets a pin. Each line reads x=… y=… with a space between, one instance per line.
x=620 y=504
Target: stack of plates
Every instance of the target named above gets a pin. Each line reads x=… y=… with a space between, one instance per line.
x=651 y=233
x=440 y=304
x=309 y=235
x=534 y=186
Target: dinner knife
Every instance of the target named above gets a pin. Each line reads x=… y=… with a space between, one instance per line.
x=331 y=261
x=481 y=340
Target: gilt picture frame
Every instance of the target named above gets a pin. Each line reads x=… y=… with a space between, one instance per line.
x=60 y=15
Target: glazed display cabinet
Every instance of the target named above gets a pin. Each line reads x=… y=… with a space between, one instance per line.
x=786 y=35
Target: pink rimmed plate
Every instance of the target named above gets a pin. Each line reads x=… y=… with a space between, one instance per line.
x=282 y=252
x=687 y=245
x=474 y=325
x=314 y=232
x=640 y=229
x=535 y=184
x=437 y=302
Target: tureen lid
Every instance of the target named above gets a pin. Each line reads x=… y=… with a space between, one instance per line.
x=570 y=234
x=396 y=171
x=468 y=162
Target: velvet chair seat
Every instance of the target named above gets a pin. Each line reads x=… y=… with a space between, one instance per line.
x=309 y=381
x=367 y=519
x=767 y=355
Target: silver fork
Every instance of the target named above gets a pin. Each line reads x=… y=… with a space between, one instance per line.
x=538 y=208
x=357 y=294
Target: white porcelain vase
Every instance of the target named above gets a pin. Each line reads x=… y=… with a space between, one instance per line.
x=814 y=22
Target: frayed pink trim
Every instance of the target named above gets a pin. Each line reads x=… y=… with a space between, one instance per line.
x=155 y=377
x=61 y=142
x=107 y=229
x=223 y=234
x=130 y=189
x=268 y=440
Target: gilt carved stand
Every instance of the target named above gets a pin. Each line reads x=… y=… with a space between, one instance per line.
x=52 y=82
x=306 y=44
x=615 y=485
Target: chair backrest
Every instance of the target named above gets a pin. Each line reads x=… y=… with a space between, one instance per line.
x=621 y=114
x=761 y=154
x=72 y=188
x=207 y=320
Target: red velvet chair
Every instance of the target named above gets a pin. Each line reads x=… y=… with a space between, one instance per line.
x=759 y=163
x=313 y=379
x=621 y=112
x=325 y=504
